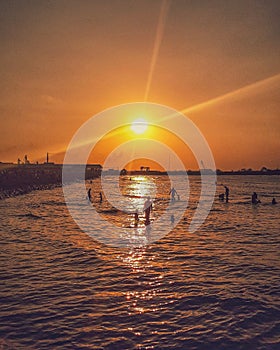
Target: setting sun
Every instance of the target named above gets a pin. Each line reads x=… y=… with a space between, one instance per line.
x=139 y=126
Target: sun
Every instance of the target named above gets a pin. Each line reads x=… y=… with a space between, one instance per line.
x=139 y=126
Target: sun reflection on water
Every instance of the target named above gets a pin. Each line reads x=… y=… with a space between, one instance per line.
x=139 y=188
x=144 y=297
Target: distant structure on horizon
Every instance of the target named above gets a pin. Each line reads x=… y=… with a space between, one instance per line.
x=93 y=170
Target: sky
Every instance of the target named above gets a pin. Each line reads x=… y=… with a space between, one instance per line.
x=218 y=62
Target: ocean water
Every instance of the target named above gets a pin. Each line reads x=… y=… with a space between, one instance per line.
x=217 y=288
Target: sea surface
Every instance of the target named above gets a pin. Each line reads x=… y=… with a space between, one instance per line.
x=216 y=288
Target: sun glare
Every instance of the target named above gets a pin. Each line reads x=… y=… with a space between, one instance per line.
x=139 y=126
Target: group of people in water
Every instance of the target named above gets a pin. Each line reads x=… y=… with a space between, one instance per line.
x=223 y=195
x=254 y=198
x=148 y=205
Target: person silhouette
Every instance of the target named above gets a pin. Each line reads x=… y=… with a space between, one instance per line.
x=273 y=201
x=255 y=199
x=226 y=193
x=147 y=209
x=173 y=192
x=89 y=194
x=136 y=218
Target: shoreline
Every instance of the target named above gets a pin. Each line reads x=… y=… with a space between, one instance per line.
x=19 y=191
x=17 y=180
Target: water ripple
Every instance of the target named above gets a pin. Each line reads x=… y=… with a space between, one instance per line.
x=217 y=288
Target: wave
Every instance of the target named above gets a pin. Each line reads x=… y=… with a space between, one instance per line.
x=29 y=215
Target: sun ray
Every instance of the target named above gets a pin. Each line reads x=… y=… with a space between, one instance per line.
x=232 y=94
x=158 y=39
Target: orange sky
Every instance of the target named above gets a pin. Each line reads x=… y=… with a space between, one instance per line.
x=110 y=142
x=64 y=61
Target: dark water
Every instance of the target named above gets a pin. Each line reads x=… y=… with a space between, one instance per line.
x=217 y=288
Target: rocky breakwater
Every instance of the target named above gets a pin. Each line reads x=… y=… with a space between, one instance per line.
x=20 y=179
x=23 y=178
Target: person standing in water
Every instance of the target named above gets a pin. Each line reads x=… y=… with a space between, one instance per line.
x=147 y=210
x=226 y=193
x=136 y=218
x=173 y=192
x=89 y=194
